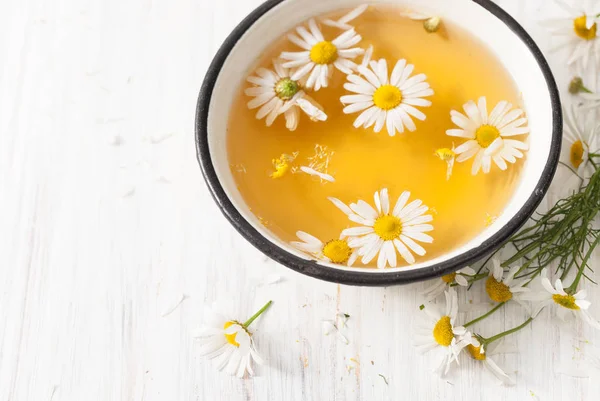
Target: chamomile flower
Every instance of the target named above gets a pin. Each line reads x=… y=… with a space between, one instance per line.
x=439 y=334
x=229 y=343
x=384 y=231
x=484 y=354
x=489 y=136
x=320 y=56
x=565 y=303
x=322 y=176
x=342 y=23
x=503 y=288
x=431 y=24
x=579 y=28
x=581 y=137
x=385 y=100
x=439 y=285
x=449 y=156
x=276 y=93
x=335 y=251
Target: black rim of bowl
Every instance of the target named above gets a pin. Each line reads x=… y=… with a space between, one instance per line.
x=363 y=277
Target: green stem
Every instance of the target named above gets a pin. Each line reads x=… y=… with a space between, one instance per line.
x=472 y=322
x=507 y=332
x=573 y=287
x=257 y=314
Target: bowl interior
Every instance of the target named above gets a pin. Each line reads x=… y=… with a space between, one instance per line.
x=510 y=49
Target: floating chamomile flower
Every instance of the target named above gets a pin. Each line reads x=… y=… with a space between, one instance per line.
x=386 y=100
x=229 y=343
x=581 y=135
x=502 y=288
x=441 y=284
x=563 y=301
x=484 y=354
x=580 y=30
x=488 y=135
x=431 y=24
x=449 y=156
x=334 y=251
x=385 y=231
x=320 y=55
x=276 y=93
x=440 y=334
x=342 y=23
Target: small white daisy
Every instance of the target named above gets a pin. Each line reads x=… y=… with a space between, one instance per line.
x=229 y=343
x=488 y=135
x=386 y=100
x=501 y=288
x=276 y=93
x=439 y=285
x=320 y=55
x=579 y=27
x=334 y=251
x=484 y=354
x=385 y=231
x=564 y=302
x=581 y=136
x=342 y=23
x=440 y=335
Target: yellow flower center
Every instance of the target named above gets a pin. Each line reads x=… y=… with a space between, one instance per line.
x=577 y=153
x=445 y=154
x=388 y=227
x=285 y=88
x=497 y=291
x=442 y=332
x=486 y=135
x=449 y=278
x=476 y=352
x=581 y=29
x=337 y=251
x=231 y=337
x=323 y=53
x=387 y=97
x=566 y=301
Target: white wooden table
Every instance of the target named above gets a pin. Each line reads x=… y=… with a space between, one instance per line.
x=105 y=222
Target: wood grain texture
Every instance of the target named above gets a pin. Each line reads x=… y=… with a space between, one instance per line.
x=105 y=223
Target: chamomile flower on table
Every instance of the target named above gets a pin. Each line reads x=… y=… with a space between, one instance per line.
x=387 y=100
x=276 y=93
x=439 y=334
x=229 y=343
x=342 y=23
x=564 y=303
x=319 y=56
x=484 y=354
x=335 y=251
x=385 y=231
x=592 y=100
x=439 y=285
x=489 y=137
x=503 y=287
x=578 y=28
x=581 y=137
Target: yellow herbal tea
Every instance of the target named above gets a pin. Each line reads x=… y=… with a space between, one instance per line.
x=276 y=168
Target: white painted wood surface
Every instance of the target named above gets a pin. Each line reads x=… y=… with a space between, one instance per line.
x=105 y=222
